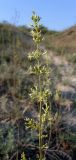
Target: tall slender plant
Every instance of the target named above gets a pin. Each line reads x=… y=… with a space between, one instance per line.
x=40 y=92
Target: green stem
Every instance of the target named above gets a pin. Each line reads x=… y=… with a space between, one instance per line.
x=40 y=120
x=40 y=123
x=40 y=132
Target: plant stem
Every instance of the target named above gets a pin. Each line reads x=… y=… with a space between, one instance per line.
x=40 y=132
x=40 y=118
x=40 y=122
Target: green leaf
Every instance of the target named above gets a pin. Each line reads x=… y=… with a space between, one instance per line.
x=23 y=157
